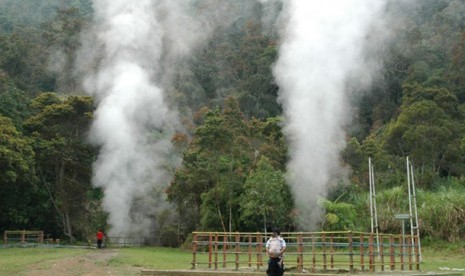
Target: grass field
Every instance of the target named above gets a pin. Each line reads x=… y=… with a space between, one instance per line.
x=130 y=261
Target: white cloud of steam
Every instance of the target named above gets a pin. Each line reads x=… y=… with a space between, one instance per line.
x=132 y=109
x=320 y=57
x=127 y=60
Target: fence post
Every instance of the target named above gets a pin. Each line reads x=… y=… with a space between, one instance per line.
x=323 y=251
x=249 y=250
x=210 y=249
x=351 y=253
x=258 y=238
x=237 y=250
x=401 y=250
x=313 y=254
x=332 y=250
x=225 y=248
x=371 y=252
x=362 y=259
x=216 y=250
x=5 y=237
x=417 y=252
x=300 y=258
x=41 y=237
x=392 y=253
x=409 y=252
x=381 y=252
x=194 y=251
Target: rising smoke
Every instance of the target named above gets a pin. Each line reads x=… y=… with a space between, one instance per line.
x=133 y=122
x=128 y=58
x=322 y=57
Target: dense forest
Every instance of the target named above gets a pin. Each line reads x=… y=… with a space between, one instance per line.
x=233 y=171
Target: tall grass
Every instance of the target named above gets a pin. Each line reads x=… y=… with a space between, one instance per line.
x=441 y=213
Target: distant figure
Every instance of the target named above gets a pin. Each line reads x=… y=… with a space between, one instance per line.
x=275 y=247
x=100 y=236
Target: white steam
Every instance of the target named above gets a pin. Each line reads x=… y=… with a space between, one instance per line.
x=322 y=54
x=132 y=123
x=128 y=58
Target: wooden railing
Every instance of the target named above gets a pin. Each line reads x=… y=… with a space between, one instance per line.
x=23 y=236
x=308 y=251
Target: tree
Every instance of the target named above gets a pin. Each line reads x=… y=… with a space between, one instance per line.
x=455 y=73
x=14 y=102
x=17 y=178
x=266 y=200
x=62 y=37
x=223 y=151
x=427 y=128
x=63 y=157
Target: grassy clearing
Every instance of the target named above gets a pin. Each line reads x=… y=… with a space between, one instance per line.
x=445 y=255
x=17 y=260
x=154 y=258
x=14 y=260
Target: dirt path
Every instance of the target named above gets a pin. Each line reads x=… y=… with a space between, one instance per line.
x=91 y=264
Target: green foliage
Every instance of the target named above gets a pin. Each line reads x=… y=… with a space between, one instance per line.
x=225 y=148
x=442 y=213
x=428 y=129
x=17 y=178
x=266 y=200
x=237 y=62
x=64 y=158
x=340 y=216
x=14 y=103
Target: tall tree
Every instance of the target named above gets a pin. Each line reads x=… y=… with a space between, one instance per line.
x=266 y=200
x=63 y=156
x=17 y=178
x=427 y=129
x=225 y=147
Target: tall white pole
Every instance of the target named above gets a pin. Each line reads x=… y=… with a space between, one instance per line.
x=371 y=195
x=416 y=211
x=410 y=200
x=373 y=210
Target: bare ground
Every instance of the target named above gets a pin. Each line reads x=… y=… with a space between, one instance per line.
x=91 y=264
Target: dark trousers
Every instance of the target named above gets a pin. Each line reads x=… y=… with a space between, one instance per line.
x=99 y=243
x=275 y=267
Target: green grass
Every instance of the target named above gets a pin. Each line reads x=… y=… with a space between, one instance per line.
x=154 y=258
x=440 y=254
x=13 y=260
x=17 y=260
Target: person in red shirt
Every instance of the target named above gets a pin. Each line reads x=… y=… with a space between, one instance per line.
x=100 y=236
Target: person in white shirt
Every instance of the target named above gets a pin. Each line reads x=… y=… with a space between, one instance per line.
x=275 y=247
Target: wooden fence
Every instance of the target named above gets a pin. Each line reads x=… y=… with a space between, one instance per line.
x=23 y=236
x=308 y=251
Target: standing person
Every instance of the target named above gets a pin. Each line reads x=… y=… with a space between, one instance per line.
x=275 y=247
x=100 y=236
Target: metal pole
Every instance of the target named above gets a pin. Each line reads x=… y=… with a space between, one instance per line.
x=371 y=195
x=416 y=211
x=409 y=183
x=375 y=211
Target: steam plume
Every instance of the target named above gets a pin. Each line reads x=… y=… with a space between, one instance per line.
x=322 y=52
x=128 y=58
x=132 y=122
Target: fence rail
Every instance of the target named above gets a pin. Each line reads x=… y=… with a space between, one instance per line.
x=309 y=251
